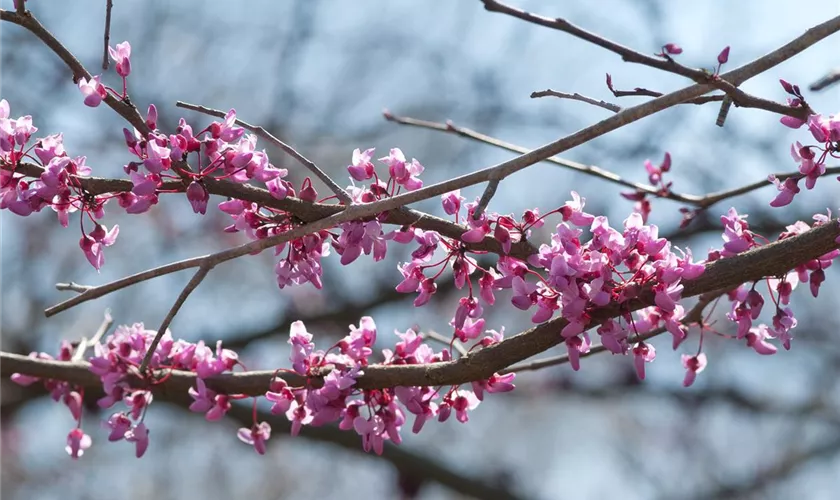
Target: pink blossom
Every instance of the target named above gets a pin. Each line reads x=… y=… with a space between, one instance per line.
x=299 y=415
x=693 y=365
x=139 y=435
x=158 y=157
x=151 y=113
x=77 y=443
x=404 y=173
x=672 y=48
x=281 y=397
x=573 y=212
x=257 y=435
x=757 y=339
x=642 y=353
x=452 y=202
x=302 y=347
x=577 y=345
x=93 y=91
x=462 y=402
x=121 y=55
x=119 y=424
x=93 y=244
x=204 y=398
x=787 y=190
x=198 y=196
x=371 y=431
x=227 y=131
x=496 y=383
x=361 y=168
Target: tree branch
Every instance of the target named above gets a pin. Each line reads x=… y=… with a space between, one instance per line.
x=695 y=315
x=701 y=201
x=773 y=259
x=668 y=64
x=196 y=280
x=615 y=108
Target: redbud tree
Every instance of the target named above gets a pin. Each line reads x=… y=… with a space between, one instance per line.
x=594 y=286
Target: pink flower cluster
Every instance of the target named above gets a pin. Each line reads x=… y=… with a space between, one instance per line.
x=377 y=415
x=58 y=186
x=571 y=277
x=578 y=277
x=812 y=157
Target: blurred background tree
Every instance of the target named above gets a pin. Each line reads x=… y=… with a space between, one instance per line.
x=317 y=74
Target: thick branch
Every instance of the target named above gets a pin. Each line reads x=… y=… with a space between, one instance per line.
x=773 y=259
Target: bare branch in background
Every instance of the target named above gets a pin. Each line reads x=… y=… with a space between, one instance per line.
x=84 y=343
x=828 y=80
x=109 y=4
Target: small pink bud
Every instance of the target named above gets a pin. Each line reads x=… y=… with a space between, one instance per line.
x=666 y=163
x=672 y=48
x=723 y=57
x=151 y=117
x=198 y=196
x=787 y=86
x=308 y=193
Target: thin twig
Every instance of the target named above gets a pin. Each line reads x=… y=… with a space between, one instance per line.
x=456 y=344
x=627 y=54
x=261 y=132
x=615 y=108
x=109 y=4
x=668 y=64
x=642 y=92
x=712 y=198
x=595 y=171
x=486 y=196
x=93 y=292
x=73 y=287
x=84 y=344
x=196 y=280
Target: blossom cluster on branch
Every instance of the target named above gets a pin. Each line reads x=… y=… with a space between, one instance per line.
x=587 y=266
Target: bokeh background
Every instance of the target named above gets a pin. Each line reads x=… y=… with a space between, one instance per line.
x=318 y=74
